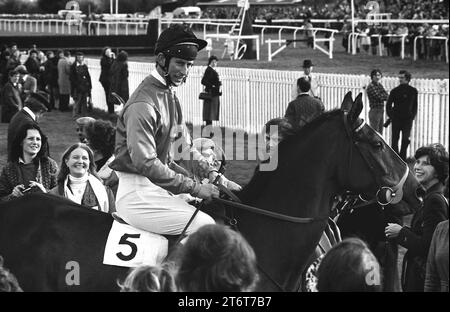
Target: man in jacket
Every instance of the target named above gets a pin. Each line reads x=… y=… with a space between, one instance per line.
x=305 y=107
x=10 y=99
x=81 y=84
x=401 y=107
x=148 y=128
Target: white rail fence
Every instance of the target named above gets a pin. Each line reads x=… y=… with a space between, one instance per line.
x=253 y=96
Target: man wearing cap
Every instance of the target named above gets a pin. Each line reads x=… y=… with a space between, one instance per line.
x=28 y=82
x=10 y=100
x=82 y=123
x=81 y=83
x=147 y=127
x=307 y=72
x=35 y=106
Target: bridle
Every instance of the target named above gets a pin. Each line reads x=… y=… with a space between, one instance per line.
x=385 y=195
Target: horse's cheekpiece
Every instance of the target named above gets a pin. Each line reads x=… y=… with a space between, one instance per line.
x=130 y=247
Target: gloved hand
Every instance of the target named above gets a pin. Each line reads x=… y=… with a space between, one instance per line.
x=232 y=186
x=207 y=191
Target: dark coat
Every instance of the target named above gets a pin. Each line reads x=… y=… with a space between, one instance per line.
x=32 y=66
x=51 y=72
x=119 y=79
x=417 y=238
x=402 y=103
x=10 y=102
x=80 y=79
x=303 y=109
x=105 y=64
x=211 y=81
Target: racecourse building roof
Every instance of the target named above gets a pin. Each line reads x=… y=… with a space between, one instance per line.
x=252 y=2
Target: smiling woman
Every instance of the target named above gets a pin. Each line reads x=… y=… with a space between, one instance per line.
x=431 y=170
x=30 y=169
x=78 y=180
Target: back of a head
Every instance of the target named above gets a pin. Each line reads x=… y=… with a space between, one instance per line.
x=147 y=278
x=349 y=266
x=122 y=56
x=8 y=282
x=303 y=84
x=216 y=258
x=101 y=136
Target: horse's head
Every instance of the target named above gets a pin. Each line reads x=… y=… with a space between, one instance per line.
x=371 y=168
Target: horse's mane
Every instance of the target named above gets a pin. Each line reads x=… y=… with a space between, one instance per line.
x=313 y=124
x=261 y=178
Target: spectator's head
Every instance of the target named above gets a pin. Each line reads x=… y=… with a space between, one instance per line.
x=66 y=53
x=8 y=282
x=50 y=54
x=275 y=131
x=100 y=136
x=349 y=266
x=22 y=70
x=307 y=66
x=78 y=161
x=13 y=76
x=175 y=50
x=431 y=164
x=16 y=54
x=216 y=258
x=404 y=76
x=106 y=52
x=37 y=102
x=33 y=54
x=376 y=75
x=212 y=61
x=13 y=47
x=122 y=56
x=303 y=85
x=29 y=142
x=82 y=122
x=79 y=57
x=147 y=278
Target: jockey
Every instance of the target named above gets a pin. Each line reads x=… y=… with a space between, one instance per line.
x=147 y=127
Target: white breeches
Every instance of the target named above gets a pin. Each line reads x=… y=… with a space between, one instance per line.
x=151 y=208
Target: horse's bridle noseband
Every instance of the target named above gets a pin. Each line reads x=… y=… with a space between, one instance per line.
x=385 y=195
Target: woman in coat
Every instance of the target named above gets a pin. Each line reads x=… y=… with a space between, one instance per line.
x=30 y=169
x=119 y=76
x=431 y=169
x=64 y=81
x=105 y=76
x=77 y=180
x=212 y=85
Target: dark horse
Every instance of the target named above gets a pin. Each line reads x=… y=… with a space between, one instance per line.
x=41 y=234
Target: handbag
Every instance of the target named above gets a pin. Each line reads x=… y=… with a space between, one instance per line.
x=205 y=95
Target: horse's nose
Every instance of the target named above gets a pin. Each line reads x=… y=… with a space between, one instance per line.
x=420 y=192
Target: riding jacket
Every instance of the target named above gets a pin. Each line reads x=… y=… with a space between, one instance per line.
x=147 y=128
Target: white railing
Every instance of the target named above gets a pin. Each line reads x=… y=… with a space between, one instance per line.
x=253 y=96
x=431 y=38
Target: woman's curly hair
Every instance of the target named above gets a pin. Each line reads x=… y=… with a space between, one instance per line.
x=101 y=136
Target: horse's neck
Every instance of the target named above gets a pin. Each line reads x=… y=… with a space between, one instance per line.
x=305 y=187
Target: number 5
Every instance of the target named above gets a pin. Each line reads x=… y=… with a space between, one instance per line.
x=124 y=241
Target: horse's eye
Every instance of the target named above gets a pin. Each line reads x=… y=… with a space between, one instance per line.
x=378 y=145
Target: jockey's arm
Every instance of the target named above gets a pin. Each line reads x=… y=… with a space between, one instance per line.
x=202 y=167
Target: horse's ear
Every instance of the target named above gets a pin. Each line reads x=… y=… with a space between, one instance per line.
x=347 y=102
x=356 y=108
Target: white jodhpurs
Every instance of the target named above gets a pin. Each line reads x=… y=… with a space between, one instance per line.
x=151 y=208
